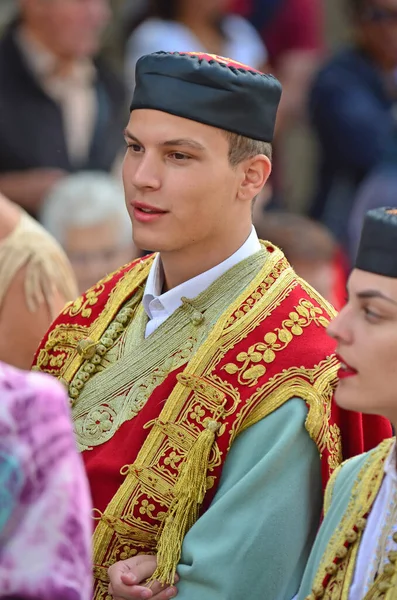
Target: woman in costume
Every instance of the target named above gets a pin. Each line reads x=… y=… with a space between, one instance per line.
x=45 y=508
x=355 y=553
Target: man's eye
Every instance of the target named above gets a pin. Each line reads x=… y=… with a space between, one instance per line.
x=134 y=147
x=179 y=156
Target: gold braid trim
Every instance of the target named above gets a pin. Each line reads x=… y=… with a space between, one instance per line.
x=316 y=386
x=336 y=569
x=66 y=337
x=329 y=490
x=189 y=493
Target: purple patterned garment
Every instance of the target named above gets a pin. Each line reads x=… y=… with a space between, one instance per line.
x=45 y=509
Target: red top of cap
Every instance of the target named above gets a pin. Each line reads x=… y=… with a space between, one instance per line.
x=220 y=59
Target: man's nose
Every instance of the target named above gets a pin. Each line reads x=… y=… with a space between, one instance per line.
x=147 y=173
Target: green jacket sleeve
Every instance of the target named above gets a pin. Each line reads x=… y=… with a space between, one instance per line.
x=339 y=495
x=254 y=540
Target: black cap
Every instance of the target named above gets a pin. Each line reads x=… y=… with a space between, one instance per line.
x=377 y=251
x=209 y=89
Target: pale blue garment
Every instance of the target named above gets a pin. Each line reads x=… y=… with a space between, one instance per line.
x=254 y=540
x=341 y=497
x=11 y=482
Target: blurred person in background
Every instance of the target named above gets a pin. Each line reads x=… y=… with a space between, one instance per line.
x=378 y=189
x=293 y=33
x=61 y=111
x=36 y=281
x=310 y=248
x=353 y=110
x=86 y=214
x=45 y=507
x=178 y=25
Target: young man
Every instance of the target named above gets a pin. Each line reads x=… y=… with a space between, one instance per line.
x=355 y=553
x=201 y=378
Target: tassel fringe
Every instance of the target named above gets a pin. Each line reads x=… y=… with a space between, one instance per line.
x=189 y=493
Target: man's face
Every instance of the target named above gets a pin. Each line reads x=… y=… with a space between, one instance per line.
x=181 y=192
x=379 y=31
x=366 y=335
x=69 y=28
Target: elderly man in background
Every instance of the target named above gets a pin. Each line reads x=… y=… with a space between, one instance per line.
x=86 y=214
x=69 y=110
x=36 y=281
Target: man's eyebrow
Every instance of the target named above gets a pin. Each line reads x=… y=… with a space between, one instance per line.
x=368 y=294
x=189 y=142
x=131 y=136
x=186 y=142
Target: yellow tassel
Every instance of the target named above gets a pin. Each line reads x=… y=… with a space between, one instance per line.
x=189 y=493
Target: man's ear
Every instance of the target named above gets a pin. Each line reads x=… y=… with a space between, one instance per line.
x=256 y=171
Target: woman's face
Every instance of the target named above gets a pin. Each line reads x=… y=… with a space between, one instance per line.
x=366 y=335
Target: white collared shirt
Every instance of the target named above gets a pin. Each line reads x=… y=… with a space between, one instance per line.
x=160 y=306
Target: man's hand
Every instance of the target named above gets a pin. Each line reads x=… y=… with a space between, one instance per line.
x=128 y=577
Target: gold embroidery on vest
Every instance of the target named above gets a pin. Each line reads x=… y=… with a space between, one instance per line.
x=140 y=365
x=333 y=582
x=250 y=371
x=64 y=338
x=153 y=477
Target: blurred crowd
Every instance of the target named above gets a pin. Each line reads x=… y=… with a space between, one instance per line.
x=66 y=78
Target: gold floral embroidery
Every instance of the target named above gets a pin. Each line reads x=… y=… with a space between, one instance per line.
x=62 y=339
x=173 y=459
x=147 y=508
x=82 y=306
x=251 y=371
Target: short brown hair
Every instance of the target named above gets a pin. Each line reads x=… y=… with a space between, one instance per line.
x=241 y=148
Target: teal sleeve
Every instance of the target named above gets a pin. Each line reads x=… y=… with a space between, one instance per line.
x=341 y=496
x=254 y=540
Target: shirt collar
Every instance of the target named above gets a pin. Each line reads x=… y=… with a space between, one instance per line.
x=171 y=300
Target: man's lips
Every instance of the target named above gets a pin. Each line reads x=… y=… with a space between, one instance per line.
x=146 y=213
x=345 y=370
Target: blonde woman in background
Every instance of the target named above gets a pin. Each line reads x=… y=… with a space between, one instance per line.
x=36 y=281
